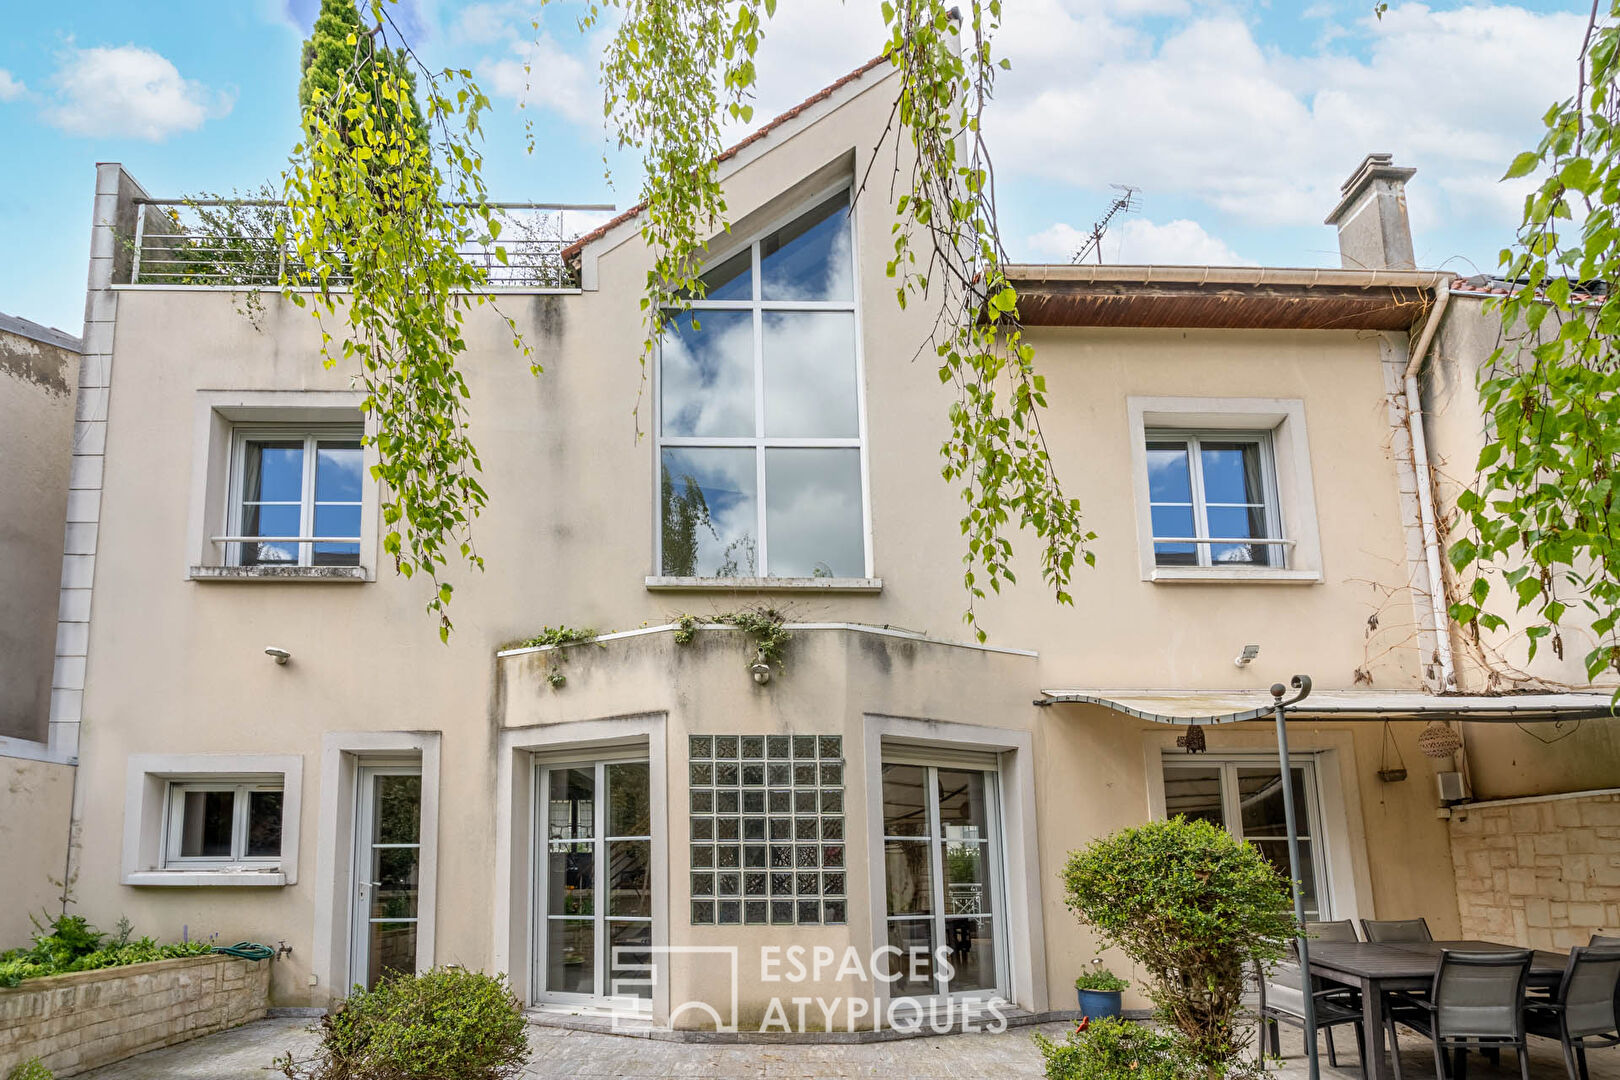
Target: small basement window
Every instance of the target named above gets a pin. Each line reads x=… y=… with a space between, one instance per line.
x=219 y=823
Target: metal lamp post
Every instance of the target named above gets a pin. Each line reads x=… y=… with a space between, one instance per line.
x=1301 y=683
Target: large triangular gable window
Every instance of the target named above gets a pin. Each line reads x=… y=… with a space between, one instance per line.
x=760 y=421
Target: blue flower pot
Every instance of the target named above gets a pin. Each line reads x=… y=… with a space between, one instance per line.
x=1100 y=1004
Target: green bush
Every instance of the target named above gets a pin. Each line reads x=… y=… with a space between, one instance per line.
x=444 y=1024
x=69 y=943
x=32 y=1069
x=1116 y=1049
x=1102 y=979
x=1191 y=905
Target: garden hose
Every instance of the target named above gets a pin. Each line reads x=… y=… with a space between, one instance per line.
x=246 y=950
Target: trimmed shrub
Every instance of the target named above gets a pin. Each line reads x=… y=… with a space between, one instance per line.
x=1117 y=1049
x=1191 y=905
x=444 y=1024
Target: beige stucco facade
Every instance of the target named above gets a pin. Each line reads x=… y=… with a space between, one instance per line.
x=178 y=673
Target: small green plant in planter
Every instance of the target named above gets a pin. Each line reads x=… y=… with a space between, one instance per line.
x=1100 y=993
x=32 y=1069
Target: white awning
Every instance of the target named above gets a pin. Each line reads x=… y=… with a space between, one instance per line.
x=1231 y=706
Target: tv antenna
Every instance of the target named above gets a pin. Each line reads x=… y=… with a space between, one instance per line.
x=1124 y=203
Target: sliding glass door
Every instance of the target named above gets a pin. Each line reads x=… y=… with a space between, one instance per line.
x=593 y=884
x=943 y=880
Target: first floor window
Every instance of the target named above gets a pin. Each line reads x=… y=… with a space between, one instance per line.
x=1244 y=796
x=942 y=879
x=759 y=412
x=223 y=822
x=1214 y=499
x=296 y=497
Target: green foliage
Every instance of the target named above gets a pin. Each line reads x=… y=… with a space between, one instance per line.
x=558 y=635
x=1542 y=518
x=1115 y=1049
x=377 y=215
x=32 y=1069
x=447 y=1022
x=765 y=625
x=69 y=943
x=339 y=47
x=1102 y=979
x=672 y=70
x=1191 y=906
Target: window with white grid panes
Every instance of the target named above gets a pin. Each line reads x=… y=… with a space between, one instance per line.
x=767 y=830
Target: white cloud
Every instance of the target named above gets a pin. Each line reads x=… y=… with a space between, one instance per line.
x=130 y=91
x=1264 y=135
x=541 y=73
x=11 y=88
x=1140 y=242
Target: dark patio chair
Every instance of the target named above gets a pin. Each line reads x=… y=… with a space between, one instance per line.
x=1341 y=930
x=1392 y=930
x=1282 y=1001
x=1581 y=1016
x=1476 y=1003
x=1603 y=941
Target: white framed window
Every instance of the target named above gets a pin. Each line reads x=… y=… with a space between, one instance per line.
x=1223 y=490
x=593 y=895
x=296 y=496
x=212 y=819
x=221 y=822
x=1244 y=796
x=760 y=433
x=1213 y=499
x=944 y=881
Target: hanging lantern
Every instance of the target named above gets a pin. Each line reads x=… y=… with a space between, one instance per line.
x=1439 y=740
x=1193 y=741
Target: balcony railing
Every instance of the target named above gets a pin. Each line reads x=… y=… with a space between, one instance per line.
x=231 y=244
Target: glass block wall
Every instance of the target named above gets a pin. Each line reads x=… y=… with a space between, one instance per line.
x=768 y=829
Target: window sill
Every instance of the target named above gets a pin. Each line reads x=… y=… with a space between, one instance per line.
x=277 y=573
x=232 y=876
x=765 y=584
x=1203 y=575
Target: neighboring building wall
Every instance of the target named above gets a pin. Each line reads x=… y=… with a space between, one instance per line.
x=39 y=373
x=1543 y=873
x=35 y=800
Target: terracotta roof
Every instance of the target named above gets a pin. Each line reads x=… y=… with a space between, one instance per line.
x=570 y=252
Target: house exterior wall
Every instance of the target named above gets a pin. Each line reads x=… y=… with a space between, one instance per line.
x=36 y=798
x=38 y=386
x=568 y=539
x=1539 y=872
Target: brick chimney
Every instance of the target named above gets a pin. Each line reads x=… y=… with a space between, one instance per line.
x=1371 y=217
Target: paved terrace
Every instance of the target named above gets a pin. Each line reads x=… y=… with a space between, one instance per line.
x=245 y=1054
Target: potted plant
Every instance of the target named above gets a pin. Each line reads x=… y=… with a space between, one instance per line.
x=1100 y=992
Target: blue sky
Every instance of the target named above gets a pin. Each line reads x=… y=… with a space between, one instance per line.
x=1236 y=118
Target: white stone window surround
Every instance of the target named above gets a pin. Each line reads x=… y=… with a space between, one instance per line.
x=1349 y=881
x=218 y=416
x=343 y=753
x=1025 y=949
x=514 y=912
x=1284 y=420
x=760 y=226
x=147 y=785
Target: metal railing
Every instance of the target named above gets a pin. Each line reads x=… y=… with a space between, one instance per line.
x=233 y=244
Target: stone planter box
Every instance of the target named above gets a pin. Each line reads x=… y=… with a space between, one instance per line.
x=81 y=1020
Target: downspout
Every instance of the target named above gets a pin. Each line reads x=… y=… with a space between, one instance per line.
x=1425 y=486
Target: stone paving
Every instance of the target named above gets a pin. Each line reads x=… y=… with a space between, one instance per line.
x=245 y=1054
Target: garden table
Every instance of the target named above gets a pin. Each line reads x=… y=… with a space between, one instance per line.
x=1377 y=968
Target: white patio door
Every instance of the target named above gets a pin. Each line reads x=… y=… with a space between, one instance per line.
x=943 y=880
x=387 y=872
x=1244 y=796
x=592 y=892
